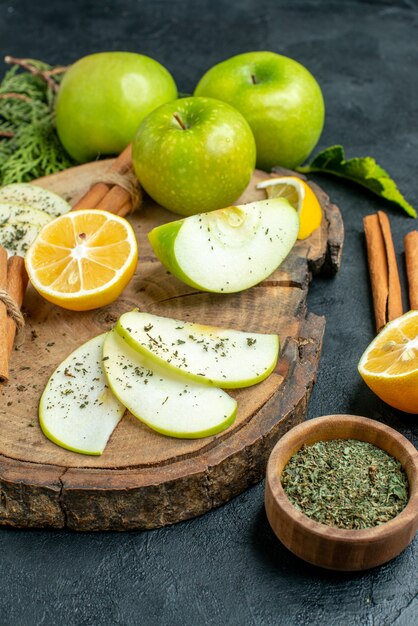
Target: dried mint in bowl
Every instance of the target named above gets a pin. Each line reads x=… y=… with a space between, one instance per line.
x=346 y=483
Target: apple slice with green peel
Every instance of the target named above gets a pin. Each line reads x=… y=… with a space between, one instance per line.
x=230 y=249
x=19 y=225
x=10 y=212
x=36 y=197
x=207 y=354
x=77 y=410
x=16 y=237
x=166 y=402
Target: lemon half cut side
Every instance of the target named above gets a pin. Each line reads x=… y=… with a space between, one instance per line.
x=83 y=260
x=389 y=365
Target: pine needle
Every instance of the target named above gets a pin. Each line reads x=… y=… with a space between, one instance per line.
x=29 y=144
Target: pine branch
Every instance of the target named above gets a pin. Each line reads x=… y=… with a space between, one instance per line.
x=35 y=68
x=29 y=144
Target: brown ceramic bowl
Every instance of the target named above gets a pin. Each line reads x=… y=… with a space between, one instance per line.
x=327 y=546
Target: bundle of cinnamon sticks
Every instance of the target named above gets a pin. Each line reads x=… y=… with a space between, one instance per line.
x=118 y=192
x=383 y=269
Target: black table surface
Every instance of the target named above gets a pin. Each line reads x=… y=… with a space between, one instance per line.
x=227 y=567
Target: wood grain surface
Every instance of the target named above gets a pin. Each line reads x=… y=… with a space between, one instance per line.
x=144 y=479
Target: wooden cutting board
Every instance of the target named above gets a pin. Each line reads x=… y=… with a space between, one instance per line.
x=144 y=479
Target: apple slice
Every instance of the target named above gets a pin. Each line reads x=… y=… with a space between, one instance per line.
x=206 y=354
x=36 y=197
x=77 y=410
x=16 y=237
x=167 y=403
x=19 y=225
x=230 y=249
x=10 y=212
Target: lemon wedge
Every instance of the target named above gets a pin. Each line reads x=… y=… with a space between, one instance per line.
x=299 y=194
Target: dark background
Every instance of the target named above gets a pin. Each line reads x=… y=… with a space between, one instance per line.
x=227 y=567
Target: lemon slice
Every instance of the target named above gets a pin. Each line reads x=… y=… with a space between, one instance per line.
x=389 y=366
x=300 y=196
x=83 y=259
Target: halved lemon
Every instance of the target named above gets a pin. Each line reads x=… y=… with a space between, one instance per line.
x=83 y=260
x=389 y=366
x=300 y=196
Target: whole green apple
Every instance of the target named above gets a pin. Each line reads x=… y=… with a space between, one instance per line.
x=104 y=97
x=279 y=98
x=194 y=155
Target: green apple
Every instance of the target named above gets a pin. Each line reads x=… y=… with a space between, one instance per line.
x=104 y=97
x=164 y=401
x=228 y=250
x=35 y=197
x=194 y=155
x=77 y=410
x=206 y=354
x=279 y=98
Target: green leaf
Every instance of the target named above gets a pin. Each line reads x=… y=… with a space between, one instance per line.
x=363 y=171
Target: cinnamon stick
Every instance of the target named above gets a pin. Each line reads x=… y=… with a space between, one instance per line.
x=106 y=196
x=124 y=161
x=395 y=293
x=17 y=281
x=383 y=269
x=114 y=200
x=92 y=198
x=411 y=259
x=125 y=209
x=13 y=283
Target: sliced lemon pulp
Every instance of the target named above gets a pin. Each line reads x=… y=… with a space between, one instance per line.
x=83 y=259
x=389 y=366
x=301 y=197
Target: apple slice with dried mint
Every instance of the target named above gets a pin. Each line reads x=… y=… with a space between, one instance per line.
x=16 y=237
x=228 y=250
x=10 y=212
x=35 y=197
x=206 y=354
x=19 y=225
x=166 y=402
x=77 y=410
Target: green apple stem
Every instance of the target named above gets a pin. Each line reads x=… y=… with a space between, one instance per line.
x=253 y=78
x=179 y=121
